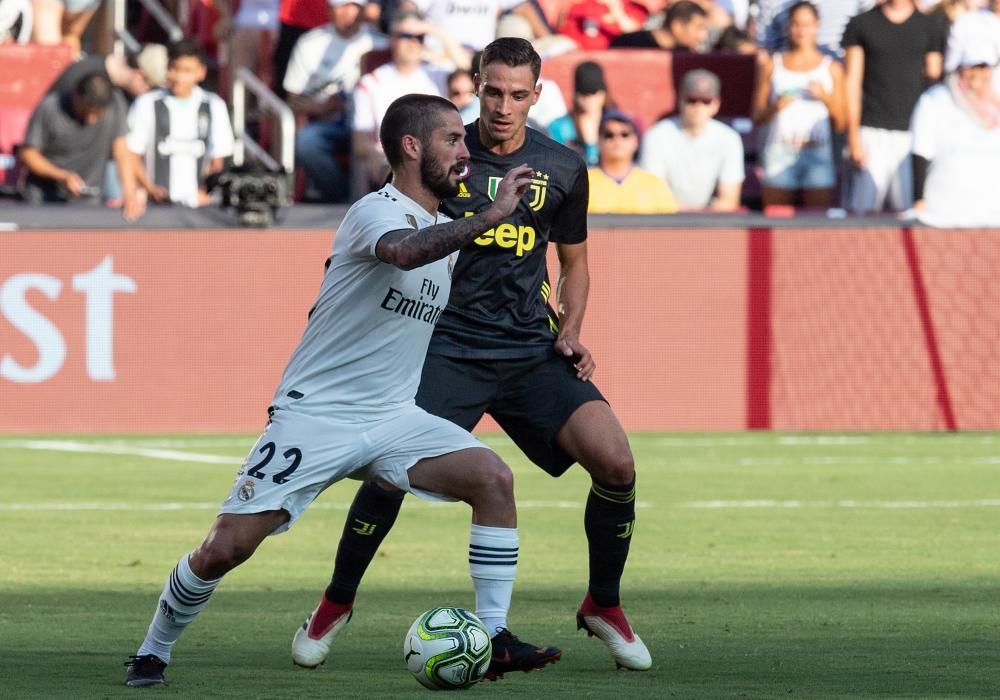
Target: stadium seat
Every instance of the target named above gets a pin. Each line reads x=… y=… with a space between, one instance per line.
x=638 y=79
x=375 y=58
x=642 y=81
x=737 y=73
x=26 y=72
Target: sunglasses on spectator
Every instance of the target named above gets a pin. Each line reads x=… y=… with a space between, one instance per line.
x=410 y=35
x=617 y=134
x=699 y=100
x=460 y=93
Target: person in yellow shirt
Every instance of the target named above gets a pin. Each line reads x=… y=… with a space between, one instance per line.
x=617 y=184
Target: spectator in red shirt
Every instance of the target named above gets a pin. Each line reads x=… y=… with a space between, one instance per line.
x=592 y=24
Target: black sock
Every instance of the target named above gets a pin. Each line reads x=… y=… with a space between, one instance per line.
x=608 y=521
x=369 y=520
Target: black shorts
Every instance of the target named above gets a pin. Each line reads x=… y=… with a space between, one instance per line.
x=531 y=399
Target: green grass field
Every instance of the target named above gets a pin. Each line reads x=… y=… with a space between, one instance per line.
x=763 y=566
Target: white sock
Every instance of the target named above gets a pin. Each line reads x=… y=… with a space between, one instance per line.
x=183 y=597
x=493 y=565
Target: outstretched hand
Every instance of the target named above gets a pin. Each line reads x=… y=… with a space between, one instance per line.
x=511 y=188
x=572 y=349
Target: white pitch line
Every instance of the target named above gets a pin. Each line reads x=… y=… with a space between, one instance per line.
x=119 y=449
x=101 y=507
x=793 y=504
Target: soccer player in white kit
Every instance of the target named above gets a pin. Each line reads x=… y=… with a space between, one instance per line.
x=345 y=404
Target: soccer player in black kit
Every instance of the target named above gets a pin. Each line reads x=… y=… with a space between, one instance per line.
x=499 y=348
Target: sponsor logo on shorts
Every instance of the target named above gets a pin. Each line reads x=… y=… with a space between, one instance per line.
x=245 y=492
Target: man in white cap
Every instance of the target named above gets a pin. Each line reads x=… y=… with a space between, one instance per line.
x=982 y=26
x=956 y=142
x=322 y=73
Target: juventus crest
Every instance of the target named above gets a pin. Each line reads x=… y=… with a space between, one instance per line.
x=536 y=190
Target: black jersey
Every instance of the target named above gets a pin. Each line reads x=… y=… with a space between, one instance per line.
x=499 y=304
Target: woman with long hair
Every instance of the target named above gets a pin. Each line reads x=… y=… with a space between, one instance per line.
x=800 y=97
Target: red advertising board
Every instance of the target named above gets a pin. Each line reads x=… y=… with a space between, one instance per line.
x=188 y=330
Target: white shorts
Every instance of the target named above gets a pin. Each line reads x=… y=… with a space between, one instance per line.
x=299 y=455
x=887 y=177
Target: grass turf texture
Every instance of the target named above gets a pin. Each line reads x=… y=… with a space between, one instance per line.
x=869 y=568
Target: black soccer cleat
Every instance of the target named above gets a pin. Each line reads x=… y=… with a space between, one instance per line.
x=511 y=654
x=144 y=671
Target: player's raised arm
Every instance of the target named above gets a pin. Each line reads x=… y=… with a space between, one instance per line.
x=409 y=248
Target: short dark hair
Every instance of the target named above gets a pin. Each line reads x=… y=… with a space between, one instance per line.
x=683 y=11
x=94 y=91
x=512 y=52
x=416 y=115
x=185 y=48
x=458 y=73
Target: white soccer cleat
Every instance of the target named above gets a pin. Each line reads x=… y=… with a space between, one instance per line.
x=311 y=646
x=611 y=627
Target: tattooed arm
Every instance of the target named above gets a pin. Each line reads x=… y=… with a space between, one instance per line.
x=408 y=249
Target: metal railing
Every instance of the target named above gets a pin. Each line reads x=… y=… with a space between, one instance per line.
x=123 y=37
x=267 y=100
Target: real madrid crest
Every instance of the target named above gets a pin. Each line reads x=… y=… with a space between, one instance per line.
x=245 y=492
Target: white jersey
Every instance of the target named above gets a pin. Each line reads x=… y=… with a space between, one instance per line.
x=380 y=88
x=15 y=21
x=176 y=135
x=367 y=335
x=471 y=23
x=963 y=181
x=323 y=63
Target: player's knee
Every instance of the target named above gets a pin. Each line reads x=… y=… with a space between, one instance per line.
x=226 y=547
x=216 y=557
x=495 y=477
x=617 y=468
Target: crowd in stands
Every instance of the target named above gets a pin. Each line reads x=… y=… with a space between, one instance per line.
x=870 y=107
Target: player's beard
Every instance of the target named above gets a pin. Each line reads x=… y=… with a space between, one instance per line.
x=437 y=178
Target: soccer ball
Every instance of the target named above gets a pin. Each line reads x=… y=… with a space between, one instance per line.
x=447 y=649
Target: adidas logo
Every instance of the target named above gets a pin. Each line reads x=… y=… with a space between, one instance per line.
x=463 y=191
